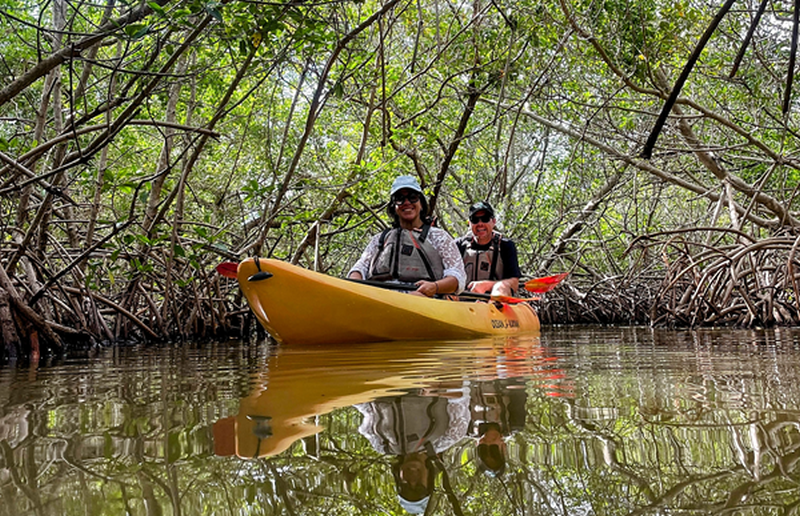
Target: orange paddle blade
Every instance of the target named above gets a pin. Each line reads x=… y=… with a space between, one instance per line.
x=545 y=284
x=228 y=269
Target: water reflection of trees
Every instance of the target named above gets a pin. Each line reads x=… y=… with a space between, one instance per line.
x=115 y=436
x=643 y=430
x=691 y=428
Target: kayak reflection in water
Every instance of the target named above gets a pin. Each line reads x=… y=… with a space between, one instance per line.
x=412 y=250
x=416 y=429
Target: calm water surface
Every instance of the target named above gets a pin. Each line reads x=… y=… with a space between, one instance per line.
x=576 y=421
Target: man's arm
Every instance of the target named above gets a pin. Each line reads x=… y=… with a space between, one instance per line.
x=510 y=283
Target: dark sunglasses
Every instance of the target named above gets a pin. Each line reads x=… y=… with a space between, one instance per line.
x=480 y=218
x=400 y=198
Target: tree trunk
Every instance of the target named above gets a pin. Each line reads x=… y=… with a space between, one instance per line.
x=9 y=331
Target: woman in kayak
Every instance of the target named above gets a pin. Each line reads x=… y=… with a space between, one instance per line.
x=412 y=251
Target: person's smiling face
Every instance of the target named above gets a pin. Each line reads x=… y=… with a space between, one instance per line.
x=407 y=205
x=481 y=227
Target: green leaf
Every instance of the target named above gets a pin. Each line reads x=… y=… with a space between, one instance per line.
x=338 y=89
x=137 y=30
x=156 y=8
x=212 y=8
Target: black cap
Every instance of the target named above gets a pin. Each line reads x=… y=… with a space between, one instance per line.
x=481 y=206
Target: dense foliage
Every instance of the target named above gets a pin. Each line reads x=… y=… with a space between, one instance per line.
x=142 y=143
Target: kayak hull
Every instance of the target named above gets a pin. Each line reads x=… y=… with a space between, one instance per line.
x=299 y=306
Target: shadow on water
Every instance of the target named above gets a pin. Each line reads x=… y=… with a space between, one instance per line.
x=576 y=421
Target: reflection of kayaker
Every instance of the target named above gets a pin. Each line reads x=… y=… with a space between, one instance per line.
x=415 y=428
x=498 y=410
x=415 y=476
x=403 y=424
x=491 y=449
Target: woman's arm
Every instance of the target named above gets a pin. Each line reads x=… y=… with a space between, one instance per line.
x=360 y=269
x=451 y=259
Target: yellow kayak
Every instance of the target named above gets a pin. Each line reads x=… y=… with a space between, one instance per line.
x=299 y=306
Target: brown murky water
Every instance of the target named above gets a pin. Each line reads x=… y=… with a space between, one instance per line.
x=576 y=421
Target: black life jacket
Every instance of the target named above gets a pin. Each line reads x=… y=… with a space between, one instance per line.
x=483 y=264
x=405 y=255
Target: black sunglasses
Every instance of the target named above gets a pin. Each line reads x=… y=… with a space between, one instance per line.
x=486 y=217
x=400 y=198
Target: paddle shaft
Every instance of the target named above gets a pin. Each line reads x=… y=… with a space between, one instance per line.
x=229 y=270
x=390 y=285
x=412 y=286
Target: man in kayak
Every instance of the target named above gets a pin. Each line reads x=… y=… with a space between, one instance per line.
x=412 y=250
x=490 y=260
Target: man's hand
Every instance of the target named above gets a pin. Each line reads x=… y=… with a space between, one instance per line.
x=481 y=287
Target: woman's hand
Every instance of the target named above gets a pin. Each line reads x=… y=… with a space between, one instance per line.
x=426 y=288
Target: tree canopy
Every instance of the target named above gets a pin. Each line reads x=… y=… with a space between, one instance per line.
x=142 y=143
